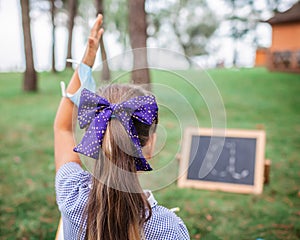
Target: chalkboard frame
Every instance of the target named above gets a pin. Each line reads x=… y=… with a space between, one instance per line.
x=256 y=188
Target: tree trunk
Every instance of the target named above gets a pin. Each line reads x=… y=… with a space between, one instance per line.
x=183 y=46
x=235 y=34
x=105 y=68
x=138 y=40
x=30 y=76
x=53 y=35
x=72 y=14
x=235 y=54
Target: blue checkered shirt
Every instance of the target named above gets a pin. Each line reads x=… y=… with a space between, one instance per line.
x=73 y=185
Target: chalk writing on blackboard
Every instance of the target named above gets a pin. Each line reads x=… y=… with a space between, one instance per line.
x=230 y=169
x=235 y=160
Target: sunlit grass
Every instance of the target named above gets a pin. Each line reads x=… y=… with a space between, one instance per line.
x=251 y=97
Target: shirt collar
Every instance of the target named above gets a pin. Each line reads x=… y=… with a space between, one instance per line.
x=151 y=200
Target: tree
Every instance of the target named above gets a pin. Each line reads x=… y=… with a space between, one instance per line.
x=105 y=68
x=138 y=40
x=244 y=17
x=274 y=5
x=116 y=12
x=53 y=9
x=239 y=22
x=53 y=33
x=30 y=75
x=72 y=5
x=190 y=24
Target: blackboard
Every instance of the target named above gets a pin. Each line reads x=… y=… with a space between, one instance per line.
x=227 y=160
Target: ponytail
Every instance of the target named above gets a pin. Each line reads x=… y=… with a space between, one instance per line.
x=117 y=208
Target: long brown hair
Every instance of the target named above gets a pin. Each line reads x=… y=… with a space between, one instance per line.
x=117 y=208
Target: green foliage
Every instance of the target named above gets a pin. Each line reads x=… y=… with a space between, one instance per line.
x=243 y=17
x=116 y=15
x=191 y=28
x=251 y=97
x=190 y=25
x=276 y=5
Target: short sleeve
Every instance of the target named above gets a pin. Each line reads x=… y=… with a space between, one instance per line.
x=164 y=225
x=72 y=191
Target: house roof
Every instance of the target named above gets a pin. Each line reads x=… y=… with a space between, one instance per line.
x=291 y=15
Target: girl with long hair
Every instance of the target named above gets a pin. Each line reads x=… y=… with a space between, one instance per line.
x=120 y=122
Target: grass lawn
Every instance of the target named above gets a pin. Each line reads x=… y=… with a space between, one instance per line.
x=251 y=97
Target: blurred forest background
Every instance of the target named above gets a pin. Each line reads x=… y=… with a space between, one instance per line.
x=209 y=33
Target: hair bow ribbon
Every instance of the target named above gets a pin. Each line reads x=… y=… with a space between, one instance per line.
x=95 y=111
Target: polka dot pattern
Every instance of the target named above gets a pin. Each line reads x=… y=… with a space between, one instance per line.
x=95 y=111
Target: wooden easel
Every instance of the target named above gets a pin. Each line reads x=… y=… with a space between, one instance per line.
x=267 y=171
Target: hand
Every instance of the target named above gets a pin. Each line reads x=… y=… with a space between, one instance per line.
x=93 y=42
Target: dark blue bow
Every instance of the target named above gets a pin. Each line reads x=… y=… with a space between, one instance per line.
x=96 y=112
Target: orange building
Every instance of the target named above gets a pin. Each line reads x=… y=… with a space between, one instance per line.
x=284 y=54
x=261 y=57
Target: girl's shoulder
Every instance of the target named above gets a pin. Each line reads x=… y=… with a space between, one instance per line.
x=165 y=216
x=72 y=173
x=72 y=183
x=164 y=224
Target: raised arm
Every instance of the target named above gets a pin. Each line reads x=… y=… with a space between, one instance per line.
x=63 y=126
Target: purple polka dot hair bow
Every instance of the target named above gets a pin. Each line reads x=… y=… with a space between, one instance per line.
x=96 y=112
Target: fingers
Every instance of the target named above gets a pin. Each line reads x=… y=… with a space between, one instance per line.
x=90 y=41
x=100 y=32
x=95 y=40
x=97 y=26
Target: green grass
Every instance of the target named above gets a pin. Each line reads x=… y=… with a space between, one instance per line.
x=251 y=97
